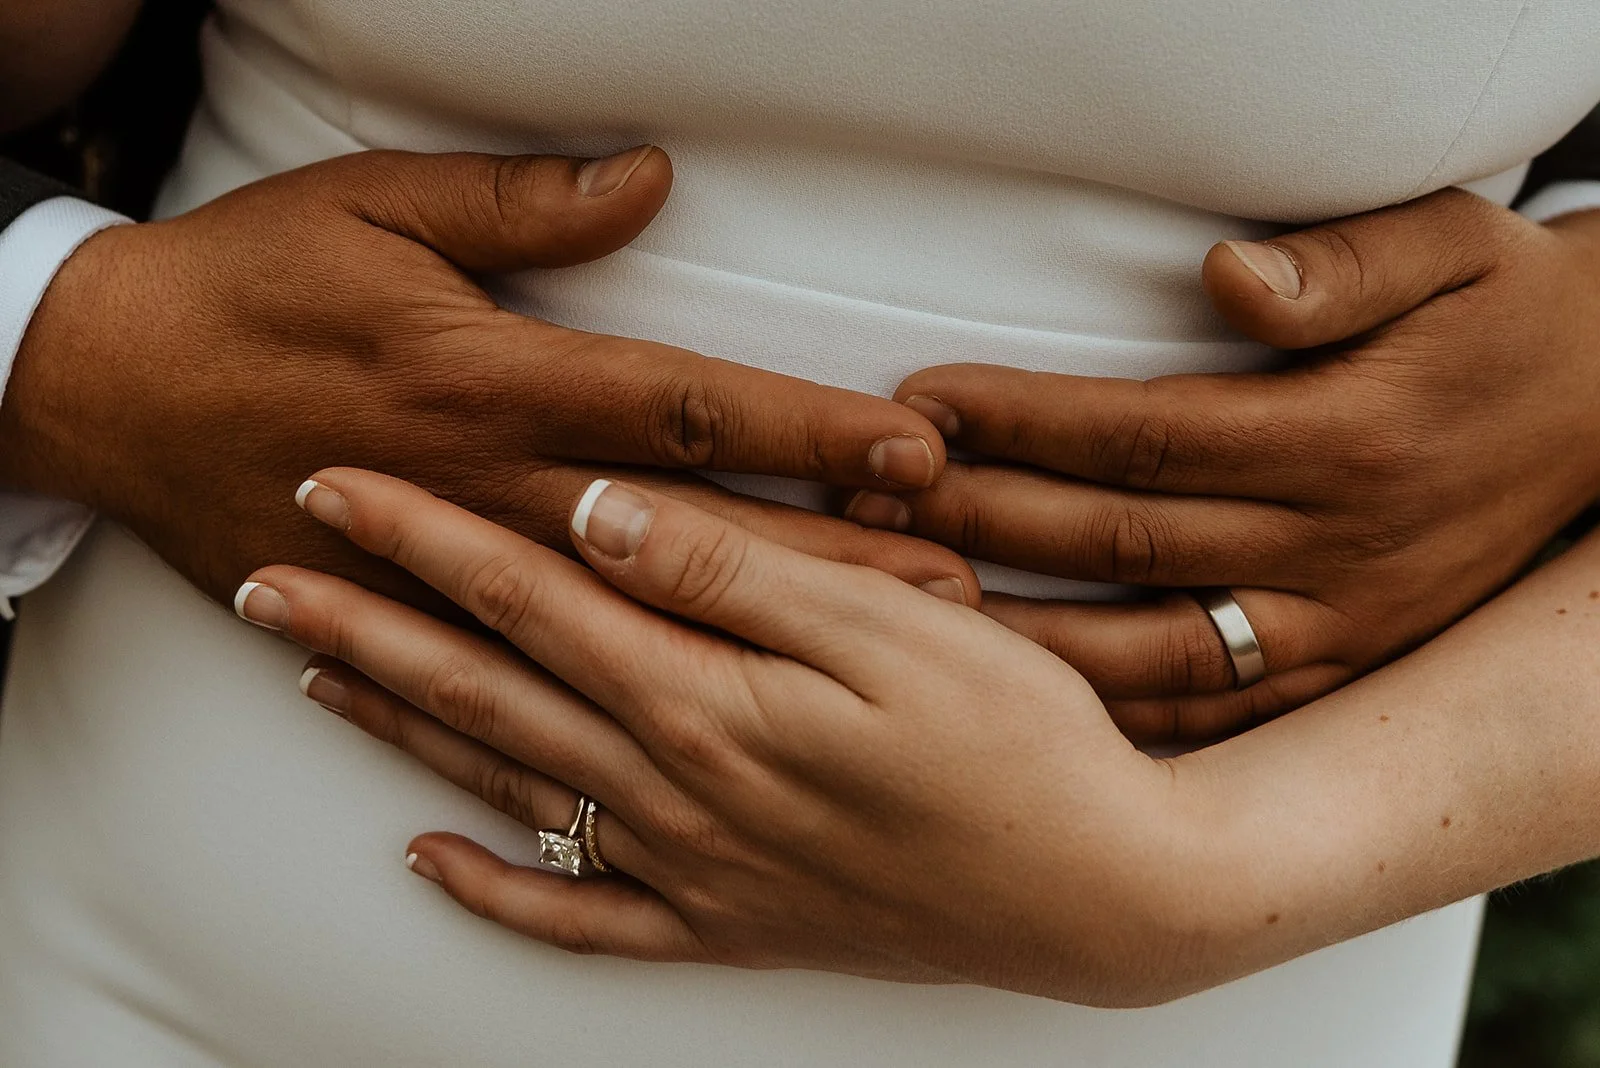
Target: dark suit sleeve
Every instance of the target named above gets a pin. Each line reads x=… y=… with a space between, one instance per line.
x=21 y=189
x=1575 y=158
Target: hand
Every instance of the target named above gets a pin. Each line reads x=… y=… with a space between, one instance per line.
x=856 y=778
x=1442 y=425
x=179 y=375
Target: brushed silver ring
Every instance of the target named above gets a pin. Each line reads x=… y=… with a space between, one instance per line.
x=1238 y=636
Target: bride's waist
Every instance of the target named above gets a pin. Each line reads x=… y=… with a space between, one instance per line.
x=961 y=247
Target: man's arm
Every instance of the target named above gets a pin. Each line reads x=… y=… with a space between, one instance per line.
x=41 y=224
x=51 y=50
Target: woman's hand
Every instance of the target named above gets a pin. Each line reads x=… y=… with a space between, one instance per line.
x=1442 y=424
x=801 y=763
x=175 y=370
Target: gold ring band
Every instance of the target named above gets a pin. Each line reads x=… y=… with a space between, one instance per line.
x=591 y=838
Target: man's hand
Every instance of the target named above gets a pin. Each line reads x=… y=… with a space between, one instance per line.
x=179 y=376
x=1442 y=425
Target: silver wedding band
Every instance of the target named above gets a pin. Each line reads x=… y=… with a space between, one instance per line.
x=1238 y=636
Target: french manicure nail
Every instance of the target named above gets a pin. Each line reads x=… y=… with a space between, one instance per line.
x=949 y=589
x=936 y=412
x=424 y=867
x=262 y=605
x=1271 y=264
x=327 y=691
x=878 y=510
x=320 y=502
x=612 y=519
x=905 y=460
x=601 y=176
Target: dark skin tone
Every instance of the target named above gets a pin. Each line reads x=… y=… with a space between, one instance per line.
x=179 y=375
x=1432 y=427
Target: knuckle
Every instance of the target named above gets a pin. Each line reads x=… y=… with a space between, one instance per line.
x=503 y=786
x=570 y=932
x=501 y=592
x=1195 y=661
x=687 y=741
x=1352 y=273
x=689 y=424
x=959 y=517
x=455 y=692
x=710 y=561
x=688 y=829
x=1134 y=541
x=507 y=190
x=1136 y=451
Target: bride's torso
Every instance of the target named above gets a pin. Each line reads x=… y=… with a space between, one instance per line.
x=196 y=866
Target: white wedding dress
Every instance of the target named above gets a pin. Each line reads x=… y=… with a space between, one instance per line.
x=200 y=868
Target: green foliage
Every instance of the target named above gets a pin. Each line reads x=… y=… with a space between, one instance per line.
x=1536 y=996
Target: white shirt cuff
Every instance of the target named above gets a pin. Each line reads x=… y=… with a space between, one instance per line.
x=37 y=534
x=1563 y=198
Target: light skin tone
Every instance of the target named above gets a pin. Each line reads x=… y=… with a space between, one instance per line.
x=1181 y=873
x=1359 y=503
x=1433 y=427
x=808 y=764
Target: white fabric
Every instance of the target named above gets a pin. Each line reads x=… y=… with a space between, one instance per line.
x=201 y=868
x=1562 y=198
x=37 y=533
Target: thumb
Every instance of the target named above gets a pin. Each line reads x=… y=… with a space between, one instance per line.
x=506 y=213
x=1332 y=282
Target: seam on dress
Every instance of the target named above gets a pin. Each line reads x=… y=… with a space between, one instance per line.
x=1477 y=104
x=879 y=308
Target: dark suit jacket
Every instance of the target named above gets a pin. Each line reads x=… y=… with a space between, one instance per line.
x=21 y=189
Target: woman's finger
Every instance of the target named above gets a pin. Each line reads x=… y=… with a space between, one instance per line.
x=469 y=683
x=932 y=568
x=1205 y=717
x=617 y=917
x=656 y=677
x=540 y=506
x=1237 y=435
x=527 y=796
x=680 y=559
x=1037 y=522
x=1167 y=648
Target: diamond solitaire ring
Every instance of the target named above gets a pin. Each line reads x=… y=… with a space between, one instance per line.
x=564 y=852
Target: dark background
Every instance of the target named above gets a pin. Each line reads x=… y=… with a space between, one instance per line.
x=1536 y=996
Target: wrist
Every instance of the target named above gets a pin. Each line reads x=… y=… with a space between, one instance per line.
x=51 y=418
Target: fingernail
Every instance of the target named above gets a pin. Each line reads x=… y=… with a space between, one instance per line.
x=936 y=412
x=327 y=691
x=1271 y=264
x=905 y=460
x=948 y=589
x=878 y=510
x=424 y=867
x=601 y=176
x=320 y=502
x=262 y=605
x=612 y=519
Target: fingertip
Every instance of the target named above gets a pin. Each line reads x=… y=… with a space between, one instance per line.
x=422 y=864
x=911 y=461
x=944 y=418
x=441 y=853
x=1254 y=299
